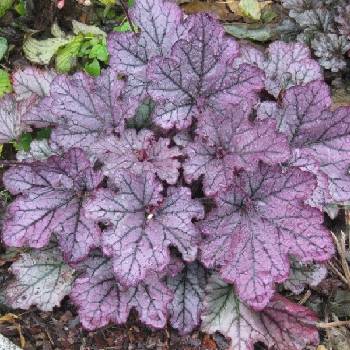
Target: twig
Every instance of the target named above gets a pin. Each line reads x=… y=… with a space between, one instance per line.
x=342 y=252
x=337 y=272
x=334 y=324
x=305 y=298
x=126 y=11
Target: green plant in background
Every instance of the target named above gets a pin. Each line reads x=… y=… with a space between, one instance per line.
x=5 y=82
x=24 y=141
x=87 y=47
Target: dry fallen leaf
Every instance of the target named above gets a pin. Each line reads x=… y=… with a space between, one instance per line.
x=218 y=8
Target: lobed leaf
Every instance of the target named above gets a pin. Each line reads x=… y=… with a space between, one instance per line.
x=10 y=119
x=32 y=86
x=41 y=279
x=143 y=224
x=319 y=137
x=52 y=200
x=188 y=287
x=87 y=109
x=228 y=142
x=160 y=24
x=139 y=153
x=284 y=65
x=101 y=299
x=258 y=223
x=199 y=74
x=282 y=325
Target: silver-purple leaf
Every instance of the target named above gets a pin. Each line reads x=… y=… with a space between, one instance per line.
x=258 y=223
x=143 y=224
x=285 y=65
x=10 y=119
x=101 y=299
x=87 y=109
x=160 y=25
x=41 y=279
x=52 y=199
x=282 y=325
x=188 y=287
x=32 y=86
x=199 y=74
x=302 y=275
x=139 y=153
x=319 y=137
x=228 y=142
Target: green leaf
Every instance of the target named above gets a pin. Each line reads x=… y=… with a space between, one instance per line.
x=23 y=143
x=142 y=118
x=125 y=27
x=21 y=8
x=66 y=58
x=245 y=31
x=5 y=83
x=5 y=5
x=81 y=28
x=100 y=52
x=107 y=2
x=43 y=134
x=42 y=51
x=93 y=68
x=250 y=8
x=3 y=46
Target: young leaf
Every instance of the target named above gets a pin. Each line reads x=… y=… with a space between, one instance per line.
x=10 y=119
x=188 y=288
x=319 y=137
x=258 y=223
x=138 y=153
x=31 y=86
x=160 y=25
x=41 y=279
x=286 y=65
x=101 y=299
x=302 y=275
x=52 y=200
x=144 y=224
x=229 y=142
x=282 y=325
x=87 y=108
x=199 y=74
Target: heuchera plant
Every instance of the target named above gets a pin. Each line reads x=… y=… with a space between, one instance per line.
x=194 y=213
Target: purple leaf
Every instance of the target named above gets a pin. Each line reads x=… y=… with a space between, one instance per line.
x=87 y=109
x=319 y=137
x=53 y=195
x=229 y=142
x=101 y=299
x=258 y=223
x=282 y=325
x=200 y=74
x=286 y=65
x=138 y=153
x=32 y=86
x=41 y=279
x=160 y=25
x=302 y=275
x=144 y=224
x=10 y=119
x=188 y=288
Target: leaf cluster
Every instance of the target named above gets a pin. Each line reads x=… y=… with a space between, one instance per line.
x=172 y=188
